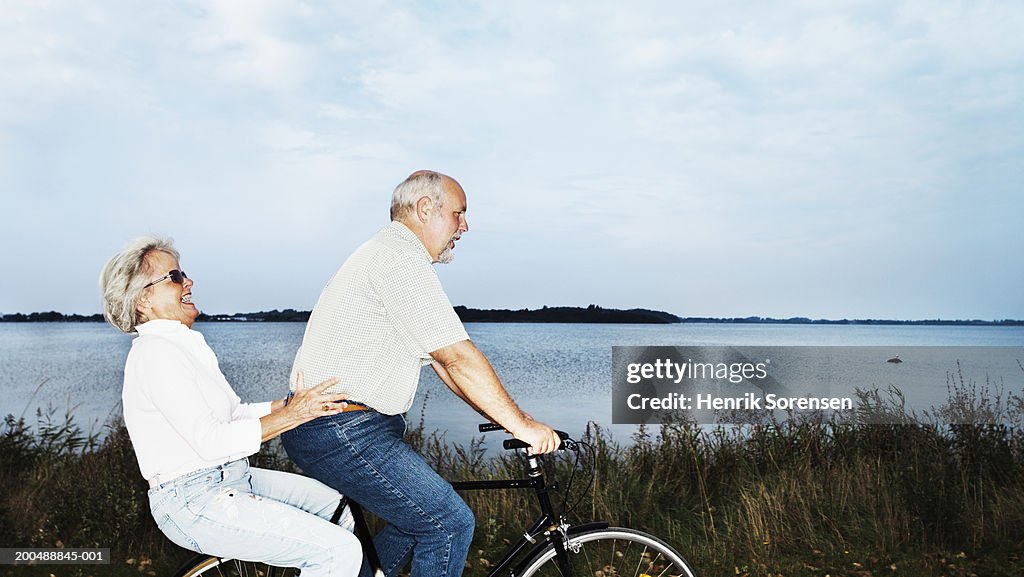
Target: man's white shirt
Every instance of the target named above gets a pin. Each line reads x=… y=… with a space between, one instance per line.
x=377 y=321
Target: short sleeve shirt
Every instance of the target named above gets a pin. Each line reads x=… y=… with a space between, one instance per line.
x=377 y=321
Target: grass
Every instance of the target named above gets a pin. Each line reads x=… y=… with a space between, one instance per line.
x=811 y=497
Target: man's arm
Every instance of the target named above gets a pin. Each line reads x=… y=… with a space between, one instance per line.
x=473 y=379
x=447 y=379
x=442 y=374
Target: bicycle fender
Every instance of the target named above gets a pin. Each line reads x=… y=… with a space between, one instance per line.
x=584 y=527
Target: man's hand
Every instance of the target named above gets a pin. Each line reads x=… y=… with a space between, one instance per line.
x=542 y=438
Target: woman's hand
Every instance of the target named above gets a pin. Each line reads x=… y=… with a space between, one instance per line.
x=308 y=404
x=305 y=405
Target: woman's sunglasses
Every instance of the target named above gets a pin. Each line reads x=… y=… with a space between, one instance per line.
x=176 y=276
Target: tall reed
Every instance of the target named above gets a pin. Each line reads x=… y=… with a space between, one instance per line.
x=803 y=497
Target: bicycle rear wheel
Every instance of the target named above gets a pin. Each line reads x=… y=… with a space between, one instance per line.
x=207 y=566
x=612 y=552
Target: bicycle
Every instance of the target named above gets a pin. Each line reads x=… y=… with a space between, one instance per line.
x=551 y=547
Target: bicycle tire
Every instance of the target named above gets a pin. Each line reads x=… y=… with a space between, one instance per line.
x=611 y=552
x=209 y=566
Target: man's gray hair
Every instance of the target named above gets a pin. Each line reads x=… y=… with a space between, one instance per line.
x=124 y=277
x=419 y=184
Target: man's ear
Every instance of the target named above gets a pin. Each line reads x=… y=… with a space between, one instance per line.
x=424 y=209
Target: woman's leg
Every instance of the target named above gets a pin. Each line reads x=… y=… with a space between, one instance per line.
x=229 y=518
x=305 y=493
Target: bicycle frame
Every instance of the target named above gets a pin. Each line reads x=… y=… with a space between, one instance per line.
x=542 y=532
x=545 y=525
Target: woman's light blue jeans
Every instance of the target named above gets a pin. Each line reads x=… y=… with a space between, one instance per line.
x=363 y=454
x=257 y=515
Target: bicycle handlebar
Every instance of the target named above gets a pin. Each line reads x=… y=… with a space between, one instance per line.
x=510 y=444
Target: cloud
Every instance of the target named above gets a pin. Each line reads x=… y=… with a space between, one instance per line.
x=782 y=138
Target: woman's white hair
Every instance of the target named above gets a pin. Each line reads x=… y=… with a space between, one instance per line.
x=124 y=277
x=419 y=184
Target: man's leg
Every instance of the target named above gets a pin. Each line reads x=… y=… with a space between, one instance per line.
x=362 y=454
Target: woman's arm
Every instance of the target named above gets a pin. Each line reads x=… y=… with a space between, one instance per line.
x=204 y=419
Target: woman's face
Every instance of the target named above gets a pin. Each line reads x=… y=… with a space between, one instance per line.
x=167 y=299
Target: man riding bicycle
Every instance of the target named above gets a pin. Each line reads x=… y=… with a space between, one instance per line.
x=381 y=318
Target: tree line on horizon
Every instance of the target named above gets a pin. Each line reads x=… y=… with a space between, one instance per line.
x=590 y=314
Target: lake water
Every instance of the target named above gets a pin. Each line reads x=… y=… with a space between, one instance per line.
x=560 y=373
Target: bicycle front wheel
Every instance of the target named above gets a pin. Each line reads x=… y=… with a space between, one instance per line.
x=611 y=552
x=206 y=566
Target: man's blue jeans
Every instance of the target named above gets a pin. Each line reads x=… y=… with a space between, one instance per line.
x=363 y=455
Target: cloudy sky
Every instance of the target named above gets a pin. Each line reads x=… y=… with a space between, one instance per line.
x=821 y=159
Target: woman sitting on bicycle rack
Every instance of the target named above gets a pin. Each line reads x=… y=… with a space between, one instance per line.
x=192 y=434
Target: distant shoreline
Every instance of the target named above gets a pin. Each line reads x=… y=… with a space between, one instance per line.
x=592 y=314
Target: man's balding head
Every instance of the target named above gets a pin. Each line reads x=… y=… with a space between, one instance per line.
x=433 y=206
x=422 y=183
